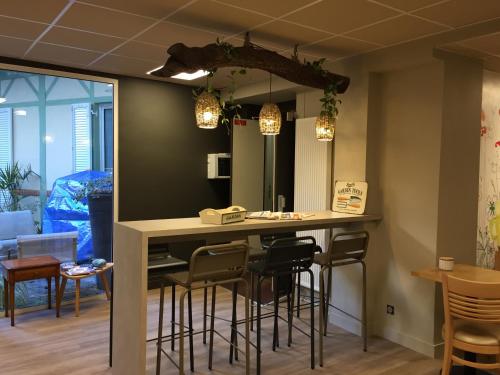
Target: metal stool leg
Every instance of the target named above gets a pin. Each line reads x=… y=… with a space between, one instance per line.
x=172 y=322
x=365 y=339
x=205 y=298
x=328 y=296
x=289 y=307
x=259 y=292
x=252 y=298
x=181 y=332
x=298 y=295
x=311 y=275
x=321 y=312
x=190 y=324
x=233 y=347
x=276 y=306
x=160 y=330
x=212 y=321
x=247 y=332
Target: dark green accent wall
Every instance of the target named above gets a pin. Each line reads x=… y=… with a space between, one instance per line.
x=163 y=155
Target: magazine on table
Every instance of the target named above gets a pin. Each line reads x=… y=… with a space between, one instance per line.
x=270 y=215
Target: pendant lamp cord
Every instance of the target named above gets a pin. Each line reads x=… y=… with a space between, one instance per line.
x=270 y=82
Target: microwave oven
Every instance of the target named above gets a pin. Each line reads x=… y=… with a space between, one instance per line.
x=219 y=165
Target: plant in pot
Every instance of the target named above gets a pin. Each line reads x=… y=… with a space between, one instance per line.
x=99 y=196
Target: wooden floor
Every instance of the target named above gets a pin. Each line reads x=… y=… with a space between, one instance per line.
x=43 y=345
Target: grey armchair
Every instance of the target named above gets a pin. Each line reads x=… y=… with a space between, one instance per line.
x=13 y=224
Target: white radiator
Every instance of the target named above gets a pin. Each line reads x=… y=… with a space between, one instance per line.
x=312 y=182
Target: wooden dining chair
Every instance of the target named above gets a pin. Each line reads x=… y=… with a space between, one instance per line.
x=472 y=321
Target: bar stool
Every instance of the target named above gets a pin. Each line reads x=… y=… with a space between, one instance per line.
x=284 y=257
x=344 y=249
x=209 y=266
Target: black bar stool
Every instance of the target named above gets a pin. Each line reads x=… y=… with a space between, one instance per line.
x=209 y=267
x=344 y=249
x=284 y=258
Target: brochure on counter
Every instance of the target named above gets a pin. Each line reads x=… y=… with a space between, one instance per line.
x=269 y=215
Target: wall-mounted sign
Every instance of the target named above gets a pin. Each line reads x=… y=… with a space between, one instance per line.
x=350 y=197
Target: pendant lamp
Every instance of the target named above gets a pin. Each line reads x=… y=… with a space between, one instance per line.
x=325 y=128
x=207 y=109
x=270 y=116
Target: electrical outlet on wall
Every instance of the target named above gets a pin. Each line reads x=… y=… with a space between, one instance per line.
x=390 y=309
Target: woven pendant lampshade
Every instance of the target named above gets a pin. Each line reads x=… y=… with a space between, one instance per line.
x=207 y=110
x=325 y=128
x=270 y=119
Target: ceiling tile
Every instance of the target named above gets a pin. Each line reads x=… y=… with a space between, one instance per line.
x=408 y=5
x=61 y=55
x=338 y=16
x=337 y=47
x=166 y=34
x=143 y=51
x=20 y=29
x=124 y=65
x=35 y=10
x=285 y=34
x=103 y=21
x=12 y=47
x=81 y=39
x=218 y=18
x=458 y=13
x=271 y=8
x=148 y=8
x=488 y=43
x=407 y=28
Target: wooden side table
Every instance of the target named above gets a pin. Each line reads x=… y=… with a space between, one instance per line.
x=41 y=267
x=100 y=272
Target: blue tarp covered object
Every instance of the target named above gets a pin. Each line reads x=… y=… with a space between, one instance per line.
x=64 y=213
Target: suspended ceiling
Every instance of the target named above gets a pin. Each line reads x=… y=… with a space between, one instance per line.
x=130 y=37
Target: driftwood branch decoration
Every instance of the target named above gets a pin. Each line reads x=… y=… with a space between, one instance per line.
x=220 y=55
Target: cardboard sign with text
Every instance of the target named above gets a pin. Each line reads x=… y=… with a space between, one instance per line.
x=350 y=197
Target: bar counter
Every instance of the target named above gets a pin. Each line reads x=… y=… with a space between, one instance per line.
x=131 y=261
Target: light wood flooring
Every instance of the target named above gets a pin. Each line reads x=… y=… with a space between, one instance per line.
x=40 y=344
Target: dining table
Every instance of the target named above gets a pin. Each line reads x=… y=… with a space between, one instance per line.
x=130 y=257
x=467 y=272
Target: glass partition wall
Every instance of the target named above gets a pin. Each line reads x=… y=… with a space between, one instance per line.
x=56 y=149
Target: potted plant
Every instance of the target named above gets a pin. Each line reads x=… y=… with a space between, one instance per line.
x=99 y=195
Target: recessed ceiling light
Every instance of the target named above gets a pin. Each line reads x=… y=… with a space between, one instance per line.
x=20 y=112
x=2 y=100
x=191 y=76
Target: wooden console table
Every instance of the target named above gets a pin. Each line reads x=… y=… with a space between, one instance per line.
x=130 y=256
x=42 y=267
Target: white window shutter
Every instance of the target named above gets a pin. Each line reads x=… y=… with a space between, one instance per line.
x=6 y=152
x=5 y=137
x=81 y=137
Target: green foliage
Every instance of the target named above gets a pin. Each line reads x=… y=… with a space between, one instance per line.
x=11 y=178
x=103 y=185
x=329 y=102
x=228 y=48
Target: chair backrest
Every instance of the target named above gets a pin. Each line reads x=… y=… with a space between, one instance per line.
x=218 y=262
x=349 y=245
x=287 y=253
x=14 y=223
x=471 y=300
x=60 y=245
